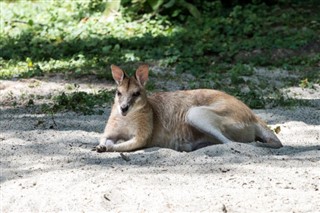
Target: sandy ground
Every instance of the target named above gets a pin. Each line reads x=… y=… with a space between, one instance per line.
x=47 y=166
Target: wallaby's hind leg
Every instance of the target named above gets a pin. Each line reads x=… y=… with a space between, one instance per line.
x=224 y=129
x=208 y=122
x=266 y=137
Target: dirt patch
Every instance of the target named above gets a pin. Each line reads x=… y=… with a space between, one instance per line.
x=47 y=165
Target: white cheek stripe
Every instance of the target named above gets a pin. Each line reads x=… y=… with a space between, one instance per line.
x=119 y=109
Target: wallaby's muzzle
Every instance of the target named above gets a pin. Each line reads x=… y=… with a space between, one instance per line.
x=124 y=109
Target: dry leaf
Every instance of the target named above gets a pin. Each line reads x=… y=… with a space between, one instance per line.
x=277 y=129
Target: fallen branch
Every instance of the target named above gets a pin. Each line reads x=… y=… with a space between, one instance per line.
x=124 y=157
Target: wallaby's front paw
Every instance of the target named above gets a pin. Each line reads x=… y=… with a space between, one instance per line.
x=105 y=145
x=101 y=148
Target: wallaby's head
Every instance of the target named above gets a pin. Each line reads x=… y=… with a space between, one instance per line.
x=130 y=94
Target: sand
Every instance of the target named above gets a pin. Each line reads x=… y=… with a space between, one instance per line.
x=47 y=166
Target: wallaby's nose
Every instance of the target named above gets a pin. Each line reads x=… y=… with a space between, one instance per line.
x=124 y=109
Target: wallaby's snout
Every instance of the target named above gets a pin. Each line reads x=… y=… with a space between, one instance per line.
x=124 y=109
x=125 y=102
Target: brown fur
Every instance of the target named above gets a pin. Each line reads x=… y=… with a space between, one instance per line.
x=181 y=120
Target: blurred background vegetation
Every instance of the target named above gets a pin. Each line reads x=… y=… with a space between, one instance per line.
x=212 y=40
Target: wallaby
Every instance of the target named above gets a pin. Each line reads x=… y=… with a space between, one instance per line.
x=181 y=120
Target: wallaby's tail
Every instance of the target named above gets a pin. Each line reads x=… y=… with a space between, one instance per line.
x=266 y=137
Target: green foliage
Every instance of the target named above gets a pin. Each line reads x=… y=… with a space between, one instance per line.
x=174 y=8
x=77 y=38
x=305 y=83
x=253 y=98
x=80 y=102
x=238 y=71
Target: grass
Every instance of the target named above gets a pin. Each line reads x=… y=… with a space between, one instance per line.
x=81 y=102
x=41 y=37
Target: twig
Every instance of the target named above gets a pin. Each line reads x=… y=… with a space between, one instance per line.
x=224 y=209
x=25 y=22
x=52 y=118
x=105 y=197
x=124 y=157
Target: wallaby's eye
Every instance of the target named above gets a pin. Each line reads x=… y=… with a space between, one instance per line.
x=119 y=93
x=136 y=94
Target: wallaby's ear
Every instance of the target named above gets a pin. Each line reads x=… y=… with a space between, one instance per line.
x=142 y=74
x=117 y=74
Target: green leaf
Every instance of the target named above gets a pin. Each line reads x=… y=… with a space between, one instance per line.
x=176 y=13
x=106 y=49
x=29 y=62
x=191 y=8
x=155 y=4
x=171 y=3
x=30 y=22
